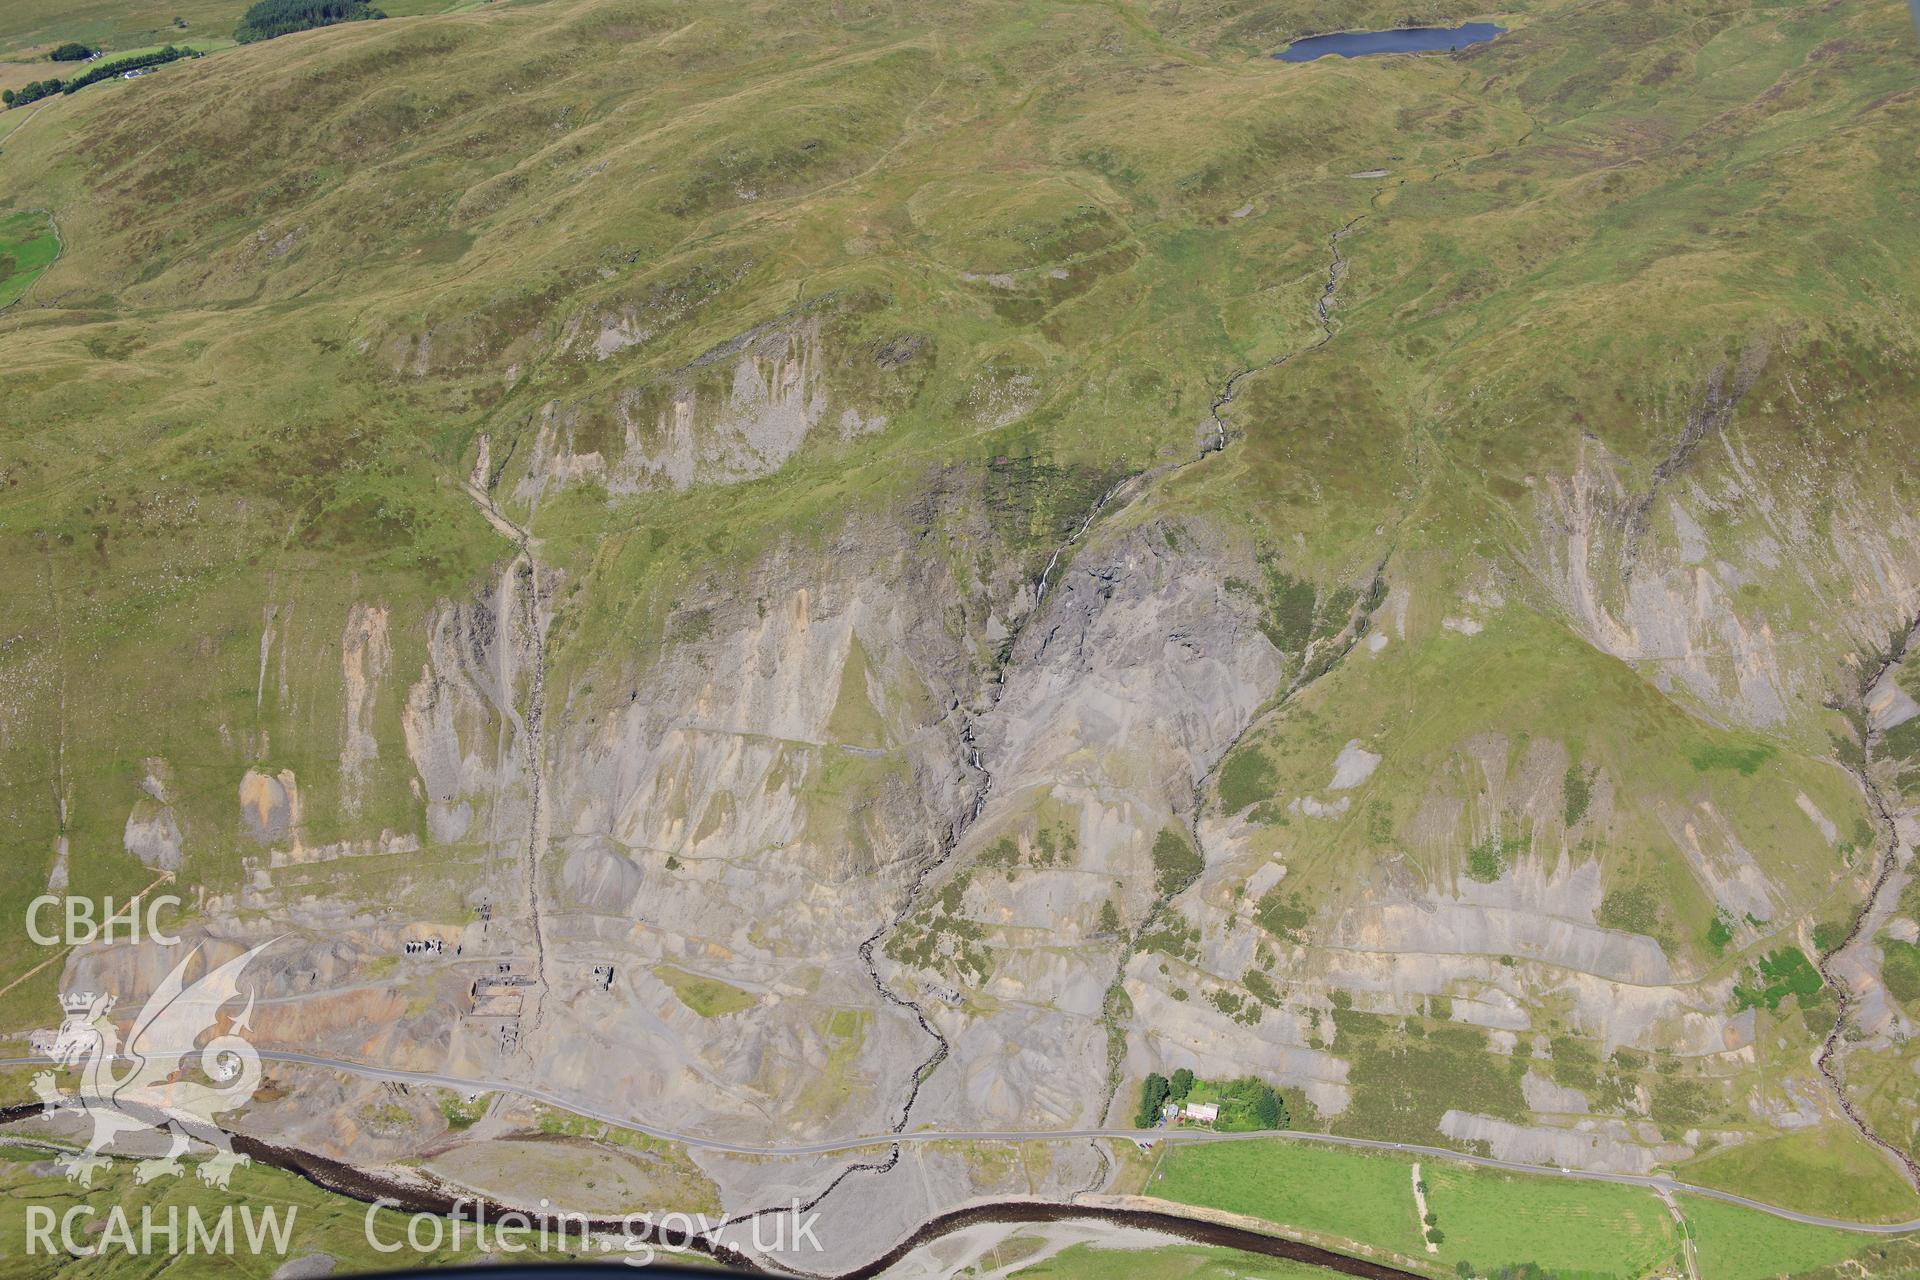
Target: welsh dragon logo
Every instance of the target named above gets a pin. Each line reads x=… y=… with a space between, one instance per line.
x=172 y=1085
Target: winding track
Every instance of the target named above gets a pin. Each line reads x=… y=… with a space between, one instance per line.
x=523 y=571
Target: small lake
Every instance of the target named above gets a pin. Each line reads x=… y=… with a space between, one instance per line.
x=1359 y=44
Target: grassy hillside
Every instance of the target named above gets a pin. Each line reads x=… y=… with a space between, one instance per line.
x=1588 y=437
x=28 y=245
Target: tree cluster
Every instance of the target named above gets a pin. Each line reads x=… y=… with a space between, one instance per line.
x=270 y=18
x=37 y=89
x=1510 y=1271
x=32 y=91
x=1246 y=1104
x=1153 y=1096
x=108 y=70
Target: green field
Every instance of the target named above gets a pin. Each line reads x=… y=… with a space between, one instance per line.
x=1344 y=1195
x=1492 y=1219
x=1488 y=1219
x=28 y=27
x=708 y=997
x=205 y=44
x=28 y=246
x=1738 y=1244
x=1173 y=1262
x=418 y=8
x=321 y=1223
x=1825 y=1170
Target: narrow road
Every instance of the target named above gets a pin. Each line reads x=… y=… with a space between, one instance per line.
x=1420 y=1208
x=1658 y=1183
x=1689 y=1254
